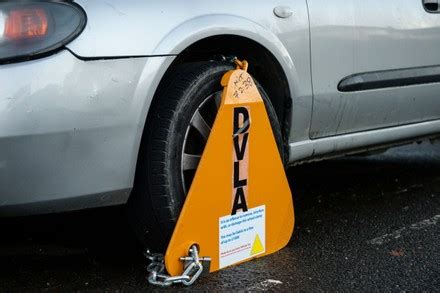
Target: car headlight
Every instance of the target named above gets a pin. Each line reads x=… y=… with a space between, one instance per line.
x=31 y=29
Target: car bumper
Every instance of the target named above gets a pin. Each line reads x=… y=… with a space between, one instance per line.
x=69 y=132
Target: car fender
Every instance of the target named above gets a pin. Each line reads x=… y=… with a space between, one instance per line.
x=203 y=27
x=119 y=29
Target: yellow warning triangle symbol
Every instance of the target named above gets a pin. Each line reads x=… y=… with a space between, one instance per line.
x=257 y=247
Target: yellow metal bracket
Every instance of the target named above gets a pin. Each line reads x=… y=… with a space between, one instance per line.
x=239 y=206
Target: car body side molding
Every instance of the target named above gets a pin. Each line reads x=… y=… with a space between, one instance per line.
x=390 y=78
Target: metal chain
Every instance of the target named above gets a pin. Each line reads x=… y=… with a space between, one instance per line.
x=193 y=268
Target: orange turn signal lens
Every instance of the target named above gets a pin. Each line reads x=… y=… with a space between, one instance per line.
x=26 y=23
x=32 y=28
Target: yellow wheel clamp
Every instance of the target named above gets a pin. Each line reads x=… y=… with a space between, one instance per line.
x=239 y=206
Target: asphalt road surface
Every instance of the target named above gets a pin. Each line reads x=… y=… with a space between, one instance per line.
x=362 y=223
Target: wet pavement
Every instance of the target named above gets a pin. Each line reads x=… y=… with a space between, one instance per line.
x=362 y=223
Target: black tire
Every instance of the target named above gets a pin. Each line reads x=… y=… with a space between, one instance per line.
x=158 y=194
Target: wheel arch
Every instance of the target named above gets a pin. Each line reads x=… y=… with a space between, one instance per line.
x=263 y=66
x=194 y=40
x=204 y=37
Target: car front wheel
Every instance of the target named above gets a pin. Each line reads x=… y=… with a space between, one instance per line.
x=177 y=129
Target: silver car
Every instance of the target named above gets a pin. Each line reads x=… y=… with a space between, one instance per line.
x=111 y=102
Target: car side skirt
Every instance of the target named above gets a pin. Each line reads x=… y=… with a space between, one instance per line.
x=318 y=149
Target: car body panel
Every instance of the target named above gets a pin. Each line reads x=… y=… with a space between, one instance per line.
x=71 y=128
x=147 y=28
x=352 y=37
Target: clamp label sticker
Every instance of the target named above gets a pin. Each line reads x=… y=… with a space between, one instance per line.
x=242 y=236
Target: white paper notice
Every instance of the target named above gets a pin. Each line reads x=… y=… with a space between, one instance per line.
x=242 y=236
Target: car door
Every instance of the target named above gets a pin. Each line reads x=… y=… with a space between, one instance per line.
x=375 y=64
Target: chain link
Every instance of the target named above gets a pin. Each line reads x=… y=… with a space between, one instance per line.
x=193 y=268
